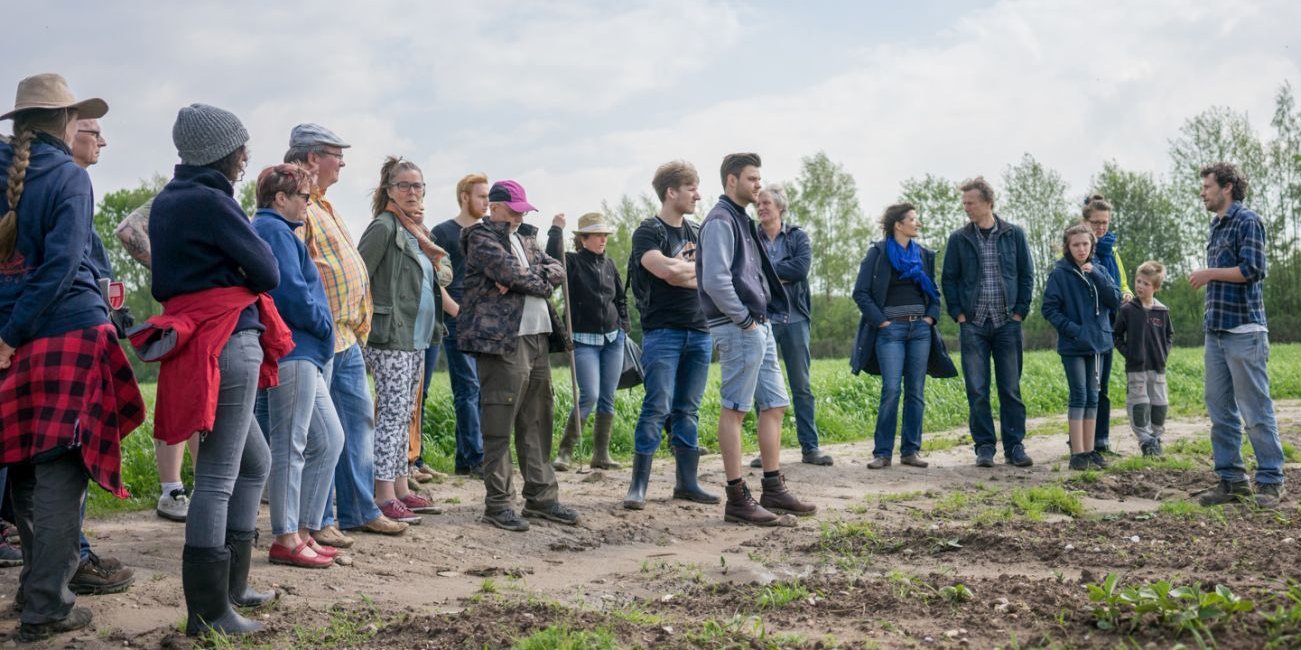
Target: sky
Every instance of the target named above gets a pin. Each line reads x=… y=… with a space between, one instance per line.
x=581 y=101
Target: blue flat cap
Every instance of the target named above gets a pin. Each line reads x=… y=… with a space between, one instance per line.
x=309 y=134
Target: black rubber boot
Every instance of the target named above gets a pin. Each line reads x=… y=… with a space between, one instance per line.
x=205 y=579
x=641 y=467
x=240 y=543
x=687 y=487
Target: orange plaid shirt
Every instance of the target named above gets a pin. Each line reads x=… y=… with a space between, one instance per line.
x=343 y=272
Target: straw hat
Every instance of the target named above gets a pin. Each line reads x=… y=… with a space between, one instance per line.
x=50 y=90
x=593 y=223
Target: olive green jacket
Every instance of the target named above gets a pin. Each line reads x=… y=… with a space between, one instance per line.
x=394 y=267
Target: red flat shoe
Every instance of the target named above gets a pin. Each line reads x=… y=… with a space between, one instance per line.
x=327 y=551
x=283 y=555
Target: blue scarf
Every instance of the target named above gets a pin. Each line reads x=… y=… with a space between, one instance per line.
x=1105 y=254
x=907 y=262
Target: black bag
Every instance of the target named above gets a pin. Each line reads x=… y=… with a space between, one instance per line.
x=632 y=374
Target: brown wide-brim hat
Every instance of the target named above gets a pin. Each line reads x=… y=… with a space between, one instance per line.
x=51 y=91
x=593 y=223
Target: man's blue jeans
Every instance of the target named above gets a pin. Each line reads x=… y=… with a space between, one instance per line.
x=1237 y=394
x=980 y=344
x=465 y=399
x=354 y=474
x=902 y=350
x=793 y=343
x=676 y=366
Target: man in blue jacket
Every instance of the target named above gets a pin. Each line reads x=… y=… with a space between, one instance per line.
x=988 y=278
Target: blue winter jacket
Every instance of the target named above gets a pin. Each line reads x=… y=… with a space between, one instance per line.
x=300 y=296
x=48 y=287
x=1080 y=305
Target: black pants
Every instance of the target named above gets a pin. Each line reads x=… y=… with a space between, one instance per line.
x=47 y=500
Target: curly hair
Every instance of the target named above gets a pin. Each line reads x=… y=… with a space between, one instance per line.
x=1228 y=174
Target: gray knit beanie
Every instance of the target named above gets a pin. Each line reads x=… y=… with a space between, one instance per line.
x=205 y=134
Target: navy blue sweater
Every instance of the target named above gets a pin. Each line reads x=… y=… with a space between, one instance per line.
x=1079 y=305
x=300 y=297
x=201 y=239
x=48 y=287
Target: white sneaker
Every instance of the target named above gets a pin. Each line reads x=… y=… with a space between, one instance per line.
x=174 y=506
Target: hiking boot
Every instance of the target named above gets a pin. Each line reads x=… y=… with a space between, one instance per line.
x=1226 y=492
x=565 y=454
x=741 y=508
x=173 y=506
x=475 y=472
x=95 y=576
x=1269 y=495
x=641 y=467
x=398 y=511
x=414 y=474
x=507 y=520
x=601 y=442
x=1079 y=462
x=1156 y=442
x=816 y=456
x=1150 y=449
x=687 y=485
x=554 y=512
x=757 y=463
x=879 y=462
x=914 y=460
x=76 y=619
x=1096 y=459
x=985 y=456
x=382 y=525
x=1017 y=457
x=416 y=503
x=777 y=498
x=332 y=536
x=10 y=556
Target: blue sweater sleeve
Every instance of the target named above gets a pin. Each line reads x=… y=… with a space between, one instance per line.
x=67 y=235
x=293 y=295
x=1054 y=307
x=795 y=267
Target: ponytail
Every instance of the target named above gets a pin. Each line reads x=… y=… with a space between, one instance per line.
x=393 y=165
x=26 y=125
x=1094 y=203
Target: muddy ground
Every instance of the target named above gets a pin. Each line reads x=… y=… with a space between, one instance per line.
x=951 y=556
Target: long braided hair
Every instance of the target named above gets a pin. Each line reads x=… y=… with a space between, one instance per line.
x=27 y=124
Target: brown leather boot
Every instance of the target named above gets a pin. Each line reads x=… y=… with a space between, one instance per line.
x=601 y=442
x=741 y=508
x=565 y=455
x=777 y=498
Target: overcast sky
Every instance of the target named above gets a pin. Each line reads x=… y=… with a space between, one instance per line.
x=580 y=101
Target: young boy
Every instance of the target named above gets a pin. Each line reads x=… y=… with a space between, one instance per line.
x=1143 y=334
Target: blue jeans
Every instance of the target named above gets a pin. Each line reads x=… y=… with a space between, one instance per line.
x=676 y=366
x=1237 y=394
x=465 y=399
x=793 y=343
x=1082 y=383
x=902 y=349
x=1102 y=435
x=598 y=368
x=306 y=439
x=980 y=343
x=354 y=474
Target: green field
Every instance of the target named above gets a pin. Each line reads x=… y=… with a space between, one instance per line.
x=846 y=410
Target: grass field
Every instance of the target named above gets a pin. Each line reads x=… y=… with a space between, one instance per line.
x=846 y=410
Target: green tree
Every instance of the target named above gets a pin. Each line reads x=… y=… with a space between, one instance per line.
x=939 y=208
x=824 y=202
x=1034 y=197
x=112 y=208
x=1146 y=220
x=624 y=216
x=247 y=197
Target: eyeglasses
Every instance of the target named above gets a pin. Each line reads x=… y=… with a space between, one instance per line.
x=331 y=154
x=1099 y=224
x=408 y=187
x=93 y=133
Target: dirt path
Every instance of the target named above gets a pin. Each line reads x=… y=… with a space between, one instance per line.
x=614 y=555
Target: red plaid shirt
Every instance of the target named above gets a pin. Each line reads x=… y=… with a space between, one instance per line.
x=75 y=390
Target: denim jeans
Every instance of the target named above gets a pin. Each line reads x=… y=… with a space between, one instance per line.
x=902 y=350
x=1102 y=434
x=793 y=343
x=354 y=474
x=598 y=368
x=1237 y=394
x=45 y=498
x=233 y=458
x=747 y=360
x=980 y=344
x=306 y=439
x=676 y=367
x=465 y=398
x=1082 y=386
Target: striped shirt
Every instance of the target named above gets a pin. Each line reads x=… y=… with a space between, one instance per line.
x=343 y=272
x=1237 y=240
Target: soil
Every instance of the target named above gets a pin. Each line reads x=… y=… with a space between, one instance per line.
x=870 y=570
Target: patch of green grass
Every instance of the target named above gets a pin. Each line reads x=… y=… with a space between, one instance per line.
x=1035 y=502
x=780 y=594
x=634 y=614
x=848 y=537
x=488 y=586
x=562 y=637
x=1145 y=463
x=944 y=443
x=1192 y=510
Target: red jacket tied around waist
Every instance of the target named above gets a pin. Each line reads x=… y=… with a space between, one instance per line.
x=188 y=338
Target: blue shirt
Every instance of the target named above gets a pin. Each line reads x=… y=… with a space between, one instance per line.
x=425 y=320
x=1237 y=240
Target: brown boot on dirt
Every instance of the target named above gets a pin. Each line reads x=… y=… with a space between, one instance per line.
x=565 y=456
x=601 y=442
x=776 y=498
x=741 y=508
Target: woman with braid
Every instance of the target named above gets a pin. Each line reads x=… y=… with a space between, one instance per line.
x=67 y=393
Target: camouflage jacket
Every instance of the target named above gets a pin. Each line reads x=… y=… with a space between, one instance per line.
x=489 y=320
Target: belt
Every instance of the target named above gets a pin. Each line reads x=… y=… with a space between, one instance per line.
x=909 y=319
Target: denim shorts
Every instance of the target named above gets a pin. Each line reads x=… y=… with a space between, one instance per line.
x=748 y=359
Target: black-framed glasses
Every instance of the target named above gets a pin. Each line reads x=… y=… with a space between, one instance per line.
x=93 y=133
x=331 y=154
x=408 y=187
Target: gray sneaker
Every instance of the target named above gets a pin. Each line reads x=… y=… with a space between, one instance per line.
x=1226 y=492
x=174 y=506
x=1269 y=495
x=10 y=556
x=506 y=520
x=816 y=456
x=555 y=512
